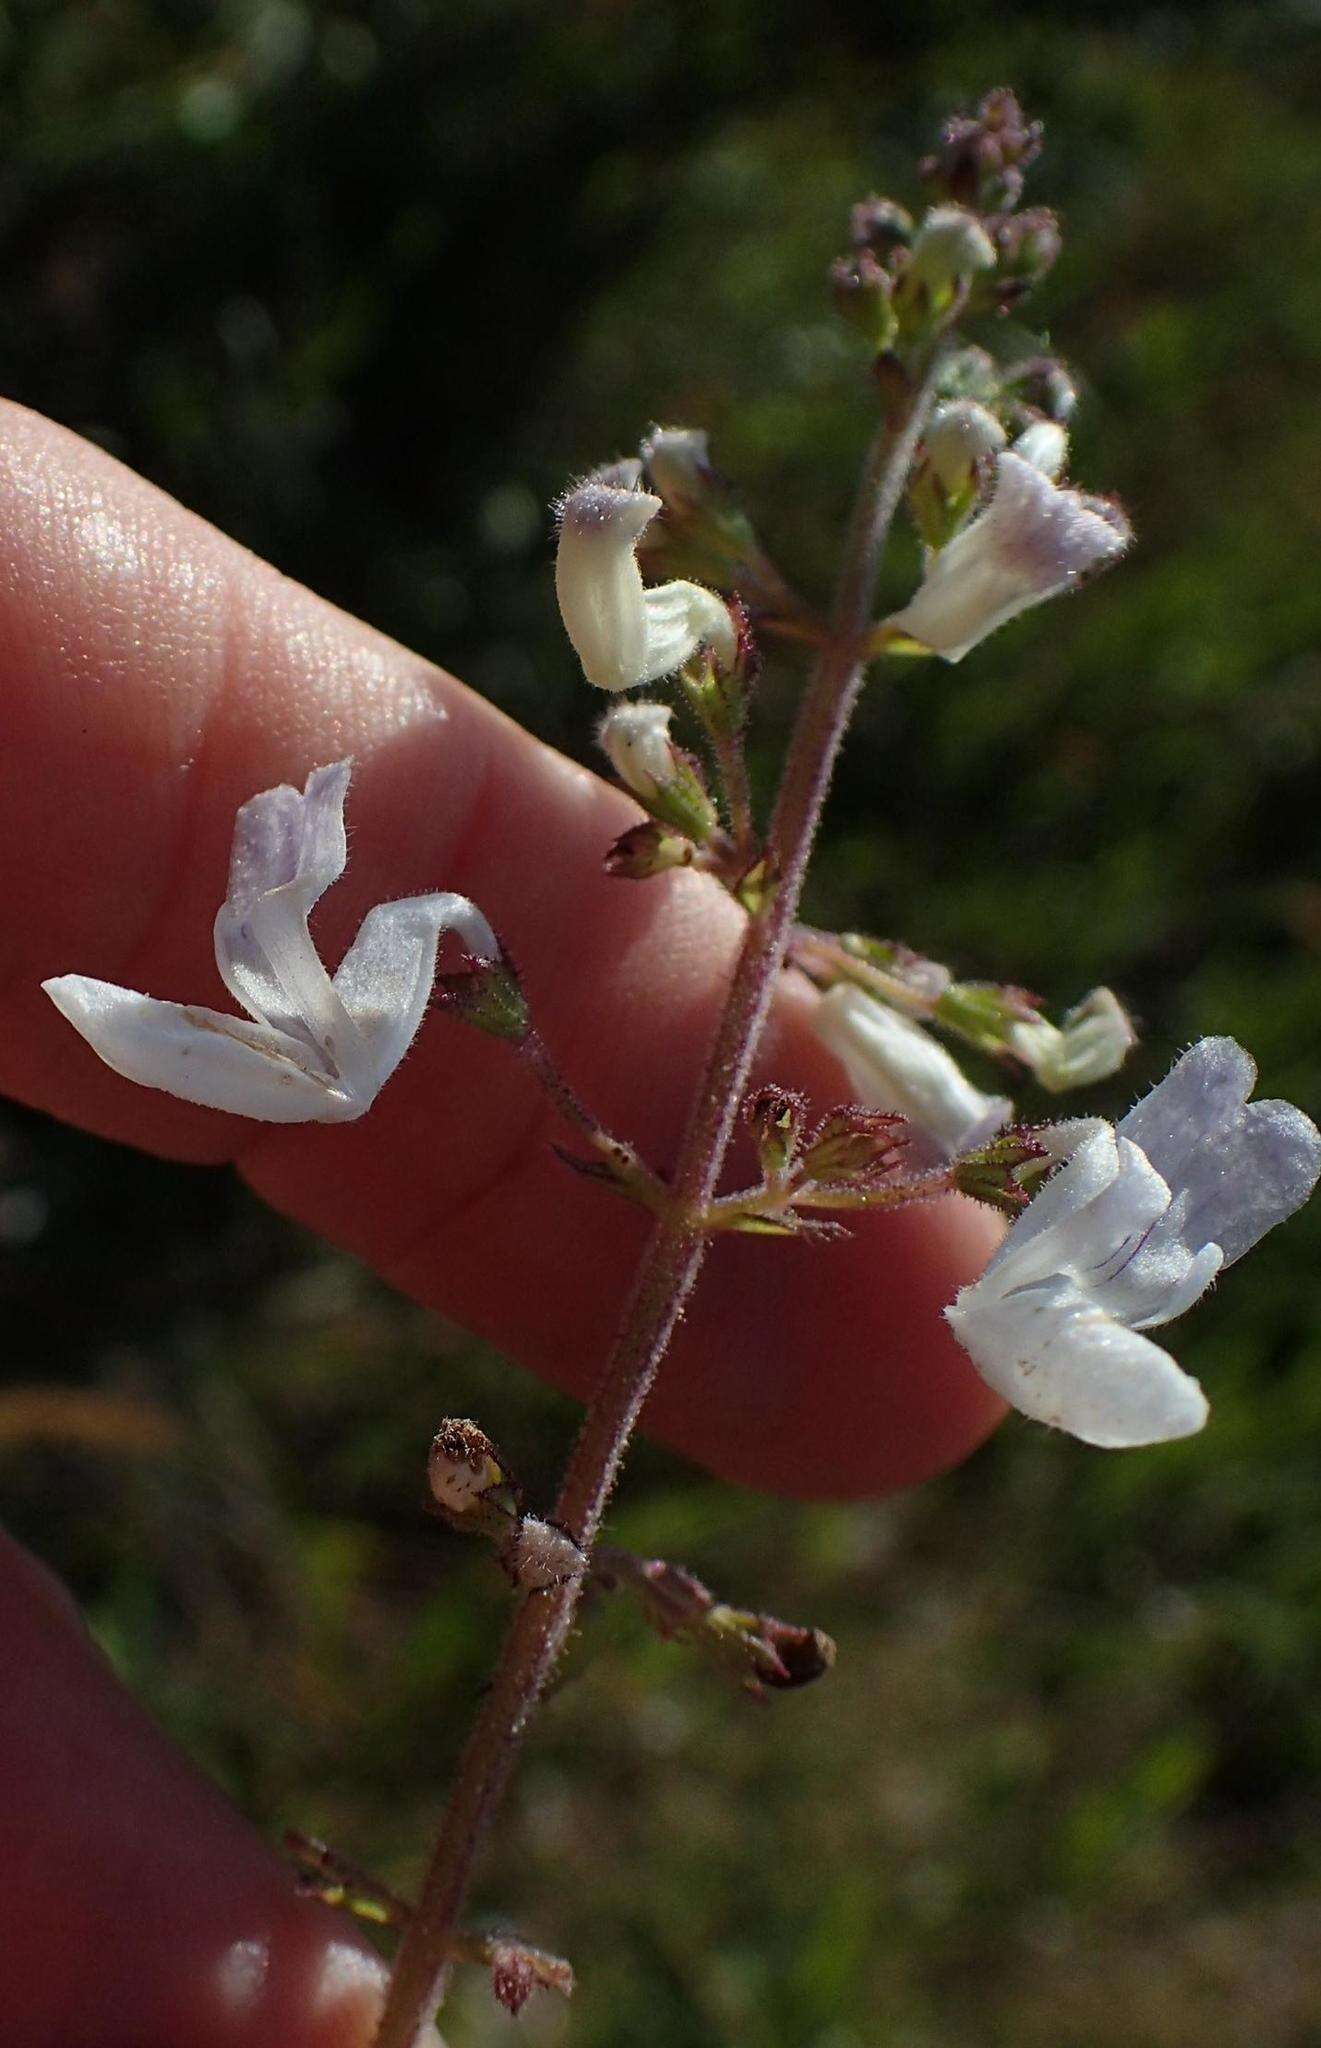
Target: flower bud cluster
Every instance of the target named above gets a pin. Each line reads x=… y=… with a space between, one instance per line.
x=901 y=278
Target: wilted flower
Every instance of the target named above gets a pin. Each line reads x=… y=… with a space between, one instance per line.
x=1127 y=1234
x=894 y=1064
x=1033 y=541
x=317 y=1050
x=624 y=633
x=1088 y=1045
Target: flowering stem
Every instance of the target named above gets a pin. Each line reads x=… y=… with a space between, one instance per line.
x=732 y=762
x=675 y=1251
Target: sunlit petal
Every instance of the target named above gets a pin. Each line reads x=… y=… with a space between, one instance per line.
x=200 y=1055
x=384 y=980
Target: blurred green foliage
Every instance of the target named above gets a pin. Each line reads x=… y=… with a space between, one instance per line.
x=364 y=284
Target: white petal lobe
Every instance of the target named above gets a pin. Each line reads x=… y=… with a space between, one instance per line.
x=200 y=1055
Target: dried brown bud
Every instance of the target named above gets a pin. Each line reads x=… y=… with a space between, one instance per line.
x=463 y=1466
x=802 y=1654
x=511 y=1978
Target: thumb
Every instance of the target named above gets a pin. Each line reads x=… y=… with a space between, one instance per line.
x=152 y=677
x=140 y=1911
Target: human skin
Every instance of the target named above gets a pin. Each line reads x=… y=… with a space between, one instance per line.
x=153 y=675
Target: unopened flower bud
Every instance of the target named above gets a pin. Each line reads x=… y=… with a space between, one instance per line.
x=961 y=435
x=678 y=466
x=1033 y=541
x=1028 y=246
x=879 y=226
x=893 y=1064
x=981 y=157
x=636 y=738
x=950 y=245
x=1044 y=382
x=624 y=633
x=1045 y=445
x=863 y=294
x=637 y=743
x=1089 y=1045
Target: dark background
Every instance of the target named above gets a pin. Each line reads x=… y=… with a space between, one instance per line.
x=365 y=285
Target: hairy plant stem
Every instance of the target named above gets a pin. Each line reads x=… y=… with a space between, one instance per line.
x=677 y=1246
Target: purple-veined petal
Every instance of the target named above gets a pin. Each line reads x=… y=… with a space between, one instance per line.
x=1052 y=1352
x=288 y=849
x=200 y=1055
x=384 y=981
x=284 y=839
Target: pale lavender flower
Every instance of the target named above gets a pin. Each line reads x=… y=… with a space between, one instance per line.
x=623 y=632
x=1128 y=1233
x=1033 y=541
x=317 y=1049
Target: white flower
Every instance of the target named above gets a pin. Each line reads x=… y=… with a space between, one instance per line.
x=950 y=243
x=1088 y=1046
x=1046 y=445
x=317 y=1050
x=961 y=434
x=1033 y=541
x=1129 y=1233
x=636 y=739
x=894 y=1064
x=622 y=632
